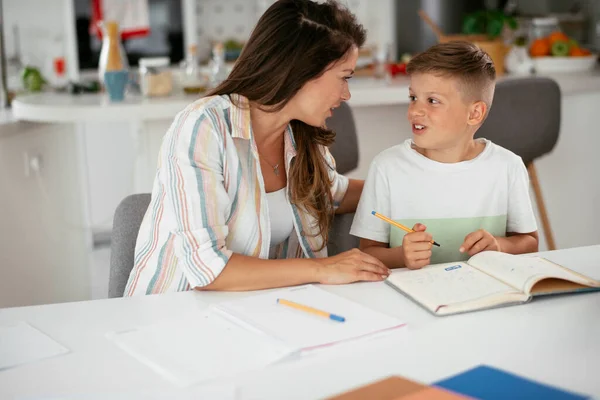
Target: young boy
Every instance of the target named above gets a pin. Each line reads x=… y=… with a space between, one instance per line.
x=469 y=195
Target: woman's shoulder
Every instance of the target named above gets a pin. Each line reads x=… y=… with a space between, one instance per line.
x=207 y=105
x=210 y=112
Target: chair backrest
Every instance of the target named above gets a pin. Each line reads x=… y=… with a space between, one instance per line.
x=345 y=152
x=126 y=224
x=525 y=116
x=345 y=148
x=340 y=239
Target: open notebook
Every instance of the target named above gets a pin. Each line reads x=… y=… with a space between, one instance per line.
x=488 y=279
x=247 y=334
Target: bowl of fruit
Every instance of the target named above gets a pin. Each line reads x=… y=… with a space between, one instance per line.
x=559 y=53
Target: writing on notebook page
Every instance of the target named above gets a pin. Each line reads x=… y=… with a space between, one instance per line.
x=454 y=285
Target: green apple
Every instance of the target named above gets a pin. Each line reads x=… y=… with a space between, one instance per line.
x=560 y=48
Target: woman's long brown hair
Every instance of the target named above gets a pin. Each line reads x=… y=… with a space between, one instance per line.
x=294 y=42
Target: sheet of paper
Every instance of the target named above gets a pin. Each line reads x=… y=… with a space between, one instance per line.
x=445 y=284
x=519 y=271
x=302 y=330
x=21 y=343
x=199 y=347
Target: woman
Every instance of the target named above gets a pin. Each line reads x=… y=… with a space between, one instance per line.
x=246 y=189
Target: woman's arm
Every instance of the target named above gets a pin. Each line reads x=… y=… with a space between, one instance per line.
x=350 y=200
x=252 y=273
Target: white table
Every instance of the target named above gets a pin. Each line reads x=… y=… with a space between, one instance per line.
x=554 y=340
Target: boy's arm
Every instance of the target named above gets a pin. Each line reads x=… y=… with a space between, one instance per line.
x=519 y=243
x=391 y=257
x=521 y=227
x=513 y=243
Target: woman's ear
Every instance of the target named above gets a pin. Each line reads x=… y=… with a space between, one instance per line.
x=477 y=113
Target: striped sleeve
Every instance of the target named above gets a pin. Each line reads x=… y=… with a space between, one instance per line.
x=194 y=185
x=339 y=183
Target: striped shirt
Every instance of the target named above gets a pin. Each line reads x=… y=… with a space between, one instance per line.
x=209 y=201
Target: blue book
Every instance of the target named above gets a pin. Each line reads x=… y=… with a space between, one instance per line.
x=488 y=383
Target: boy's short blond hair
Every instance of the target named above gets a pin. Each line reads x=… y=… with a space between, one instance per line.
x=468 y=64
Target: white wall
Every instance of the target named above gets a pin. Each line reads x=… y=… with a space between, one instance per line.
x=222 y=20
x=46 y=29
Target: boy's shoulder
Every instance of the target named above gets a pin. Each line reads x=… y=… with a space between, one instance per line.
x=502 y=155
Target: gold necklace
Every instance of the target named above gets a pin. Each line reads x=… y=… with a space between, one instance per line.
x=275 y=167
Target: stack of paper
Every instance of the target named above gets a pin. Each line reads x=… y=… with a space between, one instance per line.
x=248 y=334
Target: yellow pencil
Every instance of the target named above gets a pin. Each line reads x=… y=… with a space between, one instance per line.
x=397 y=225
x=311 y=310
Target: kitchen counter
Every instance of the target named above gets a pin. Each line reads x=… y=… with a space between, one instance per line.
x=62 y=107
x=55 y=107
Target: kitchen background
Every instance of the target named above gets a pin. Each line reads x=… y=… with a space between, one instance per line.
x=37 y=31
x=46 y=250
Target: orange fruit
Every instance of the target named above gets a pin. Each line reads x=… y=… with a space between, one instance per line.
x=579 y=52
x=556 y=36
x=539 y=48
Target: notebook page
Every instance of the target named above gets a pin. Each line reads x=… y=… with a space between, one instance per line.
x=302 y=330
x=199 y=347
x=520 y=271
x=21 y=343
x=446 y=284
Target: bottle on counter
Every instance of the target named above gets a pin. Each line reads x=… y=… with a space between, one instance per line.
x=112 y=52
x=113 y=66
x=218 y=68
x=193 y=80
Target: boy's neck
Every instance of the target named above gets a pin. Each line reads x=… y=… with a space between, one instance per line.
x=463 y=151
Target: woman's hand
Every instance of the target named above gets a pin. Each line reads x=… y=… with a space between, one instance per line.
x=350 y=266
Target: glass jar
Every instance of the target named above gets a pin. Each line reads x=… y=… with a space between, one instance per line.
x=192 y=78
x=156 y=78
x=217 y=65
x=542 y=27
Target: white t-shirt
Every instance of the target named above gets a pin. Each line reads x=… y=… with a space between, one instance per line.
x=489 y=192
x=280 y=216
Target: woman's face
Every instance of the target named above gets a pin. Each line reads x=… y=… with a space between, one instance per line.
x=317 y=98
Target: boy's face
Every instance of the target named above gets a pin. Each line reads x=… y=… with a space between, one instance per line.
x=440 y=117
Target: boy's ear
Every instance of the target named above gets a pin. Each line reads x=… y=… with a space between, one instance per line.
x=477 y=113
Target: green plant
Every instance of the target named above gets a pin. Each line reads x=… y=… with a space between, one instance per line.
x=487 y=22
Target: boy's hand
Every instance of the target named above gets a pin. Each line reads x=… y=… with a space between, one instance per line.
x=479 y=241
x=416 y=247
